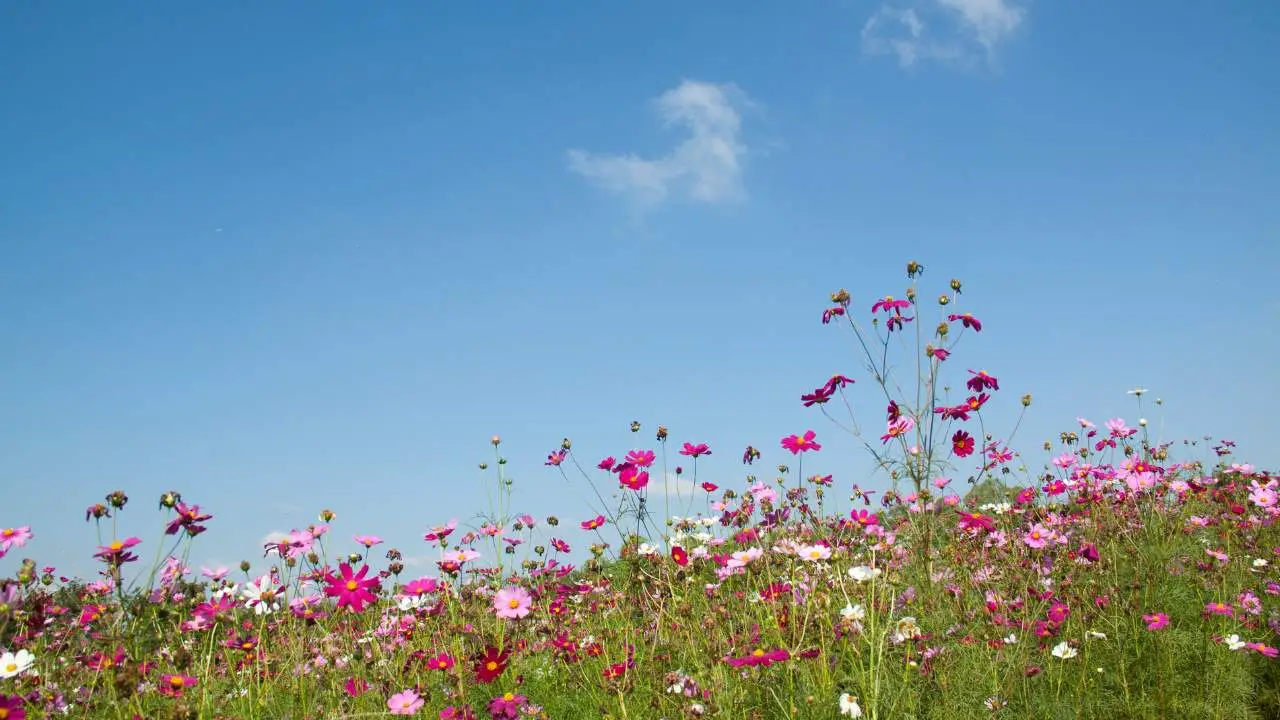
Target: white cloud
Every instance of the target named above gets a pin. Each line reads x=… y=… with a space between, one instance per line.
x=706 y=166
x=274 y=536
x=674 y=486
x=941 y=30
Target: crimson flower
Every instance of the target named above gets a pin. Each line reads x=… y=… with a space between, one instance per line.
x=962 y=444
x=981 y=381
x=680 y=557
x=967 y=320
x=897 y=322
x=351 y=589
x=801 y=443
x=12 y=707
x=189 y=519
x=831 y=313
x=443 y=661
x=490 y=664
x=959 y=412
x=817 y=397
x=607 y=463
x=641 y=458
x=976 y=402
x=710 y=487
x=695 y=450
x=594 y=523
x=892 y=412
x=174 y=684
x=941 y=353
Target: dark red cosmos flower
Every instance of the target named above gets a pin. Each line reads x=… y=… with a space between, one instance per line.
x=976 y=403
x=959 y=412
x=615 y=671
x=695 y=450
x=680 y=557
x=710 y=487
x=941 y=353
x=490 y=664
x=893 y=411
x=962 y=444
x=981 y=381
x=967 y=320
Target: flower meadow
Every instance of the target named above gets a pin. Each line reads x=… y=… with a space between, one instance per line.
x=1120 y=579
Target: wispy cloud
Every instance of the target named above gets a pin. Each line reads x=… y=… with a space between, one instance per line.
x=705 y=167
x=674 y=486
x=941 y=30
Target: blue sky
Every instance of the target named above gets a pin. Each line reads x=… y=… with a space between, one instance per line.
x=292 y=256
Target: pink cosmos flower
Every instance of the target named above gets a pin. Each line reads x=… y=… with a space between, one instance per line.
x=864 y=518
x=1219 y=608
x=640 y=458
x=368 y=541
x=14 y=537
x=440 y=532
x=555 y=458
x=1262 y=649
x=173 y=684
x=901 y=426
x=607 y=463
x=594 y=523
x=443 y=661
x=801 y=443
x=1037 y=537
x=405 y=703
x=967 y=321
x=982 y=381
x=117 y=552
x=633 y=477
x=695 y=450
x=512 y=602
x=889 y=304
x=1156 y=621
x=760 y=657
x=351 y=589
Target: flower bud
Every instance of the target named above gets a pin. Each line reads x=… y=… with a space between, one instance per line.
x=539 y=550
x=944 y=300
x=484 y=466
x=117 y=499
x=171 y=498
x=635 y=426
x=662 y=433
x=1026 y=400
x=942 y=329
x=911 y=294
x=1142 y=422
x=244 y=566
x=914 y=268
x=353 y=558
x=495 y=440
x=840 y=297
x=552 y=520
x=565 y=444
x=955 y=284
x=327 y=516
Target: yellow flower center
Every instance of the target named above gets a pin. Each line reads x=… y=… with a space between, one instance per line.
x=11 y=668
x=246 y=646
x=758 y=652
x=177 y=681
x=8 y=532
x=4 y=713
x=117 y=546
x=508 y=697
x=351 y=585
x=491 y=666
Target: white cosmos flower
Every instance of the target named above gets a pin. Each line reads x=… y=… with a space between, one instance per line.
x=262 y=597
x=814 y=553
x=1064 y=651
x=853 y=612
x=1010 y=639
x=1233 y=642
x=849 y=705
x=14 y=664
x=862 y=573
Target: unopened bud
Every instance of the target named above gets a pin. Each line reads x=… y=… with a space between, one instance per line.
x=244 y=566
x=662 y=433
x=495 y=440
x=635 y=426
x=944 y=299
x=171 y=498
x=1142 y=422
x=396 y=568
x=327 y=515
x=955 y=284
x=1026 y=400
x=840 y=297
x=911 y=294
x=565 y=444
x=914 y=268
x=539 y=550
x=942 y=329
x=353 y=558
x=484 y=466
x=552 y=520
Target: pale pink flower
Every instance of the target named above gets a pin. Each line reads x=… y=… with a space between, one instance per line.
x=512 y=602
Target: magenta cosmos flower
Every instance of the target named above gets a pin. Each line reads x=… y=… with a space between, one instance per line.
x=512 y=602
x=695 y=450
x=1156 y=621
x=801 y=443
x=14 y=537
x=759 y=657
x=351 y=589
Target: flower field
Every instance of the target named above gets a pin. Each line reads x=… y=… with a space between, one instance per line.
x=1122 y=578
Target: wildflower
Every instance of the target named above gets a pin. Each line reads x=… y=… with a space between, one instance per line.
x=351 y=589
x=1156 y=621
x=801 y=443
x=1262 y=649
x=814 y=553
x=355 y=687
x=853 y=613
x=490 y=664
x=14 y=537
x=849 y=705
x=759 y=656
x=1219 y=608
x=555 y=458
x=262 y=597
x=173 y=684
x=1233 y=642
x=594 y=523
x=506 y=706
x=898 y=427
x=710 y=487
x=864 y=518
x=967 y=320
x=117 y=553
x=11 y=708
x=962 y=444
x=368 y=541
x=862 y=573
x=1064 y=651
x=679 y=555
x=440 y=532
x=443 y=661
x=633 y=477
x=641 y=458
x=1036 y=537
x=888 y=304
x=15 y=664
x=512 y=602
x=982 y=381
x=188 y=518
x=695 y=450
x=405 y=703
